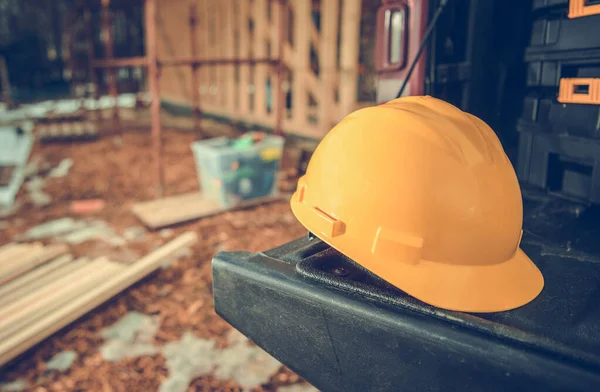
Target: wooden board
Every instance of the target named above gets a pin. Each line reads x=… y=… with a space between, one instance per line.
x=17 y=267
x=59 y=309
x=20 y=286
x=47 y=300
x=184 y=208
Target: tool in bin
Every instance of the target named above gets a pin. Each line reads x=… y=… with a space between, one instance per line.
x=422 y=195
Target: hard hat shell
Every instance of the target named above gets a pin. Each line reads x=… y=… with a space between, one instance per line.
x=422 y=194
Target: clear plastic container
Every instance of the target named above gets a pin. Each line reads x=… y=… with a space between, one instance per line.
x=231 y=173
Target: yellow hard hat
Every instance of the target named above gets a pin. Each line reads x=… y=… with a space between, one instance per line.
x=422 y=194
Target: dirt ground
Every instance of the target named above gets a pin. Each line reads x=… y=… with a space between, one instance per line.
x=118 y=169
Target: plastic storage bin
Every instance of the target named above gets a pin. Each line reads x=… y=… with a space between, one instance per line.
x=230 y=172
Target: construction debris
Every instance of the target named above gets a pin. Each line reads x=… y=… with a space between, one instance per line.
x=179 y=295
x=134 y=233
x=187 y=359
x=70 y=231
x=62 y=169
x=15 y=386
x=84 y=207
x=51 y=229
x=61 y=361
x=34 y=188
x=64 y=107
x=248 y=365
x=130 y=337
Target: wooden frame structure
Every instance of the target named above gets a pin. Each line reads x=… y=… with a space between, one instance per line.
x=288 y=65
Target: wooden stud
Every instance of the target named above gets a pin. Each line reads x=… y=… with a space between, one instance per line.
x=244 y=53
x=350 y=36
x=230 y=54
x=153 y=86
x=328 y=63
x=260 y=51
x=302 y=19
x=195 y=85
x=205 y=83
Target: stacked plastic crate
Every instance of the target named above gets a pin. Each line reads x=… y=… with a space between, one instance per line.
x=559 y=139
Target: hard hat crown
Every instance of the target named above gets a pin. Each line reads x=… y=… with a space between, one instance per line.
x=413 y=184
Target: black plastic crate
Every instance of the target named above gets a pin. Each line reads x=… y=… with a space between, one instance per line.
x=547 y=73
x=554 y=33
x=548 y=115
x=561 y=164
x=543 y=4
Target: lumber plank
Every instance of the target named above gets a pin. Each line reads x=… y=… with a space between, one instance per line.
x=183 y=208
x=103 y=269
x=77 y=271
x=17 y=269
x=36 y=279
x=7 y=247
x=16 y=253
x=46 y=325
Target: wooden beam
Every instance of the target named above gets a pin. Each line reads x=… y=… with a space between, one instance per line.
x=302 y=19
x=244 y=53
x=109 y=53
x=350 y=42
x=187 y=61
x=328 y=63
x=153 y=84
x=195 y=85
x=230 y=55
x=92 y=55
x=121 y=63
x=205 y=53
x=279 y=17
x=218 y=50
x=314 y=36
x=260 y=51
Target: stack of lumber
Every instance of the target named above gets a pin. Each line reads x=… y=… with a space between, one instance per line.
x=44 y=288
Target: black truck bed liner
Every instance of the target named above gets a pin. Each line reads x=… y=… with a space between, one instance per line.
x=344 y=329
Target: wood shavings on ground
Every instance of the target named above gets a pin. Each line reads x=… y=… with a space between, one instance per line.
x=177 y=298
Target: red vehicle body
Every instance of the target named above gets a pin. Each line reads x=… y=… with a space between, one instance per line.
x=401 y=26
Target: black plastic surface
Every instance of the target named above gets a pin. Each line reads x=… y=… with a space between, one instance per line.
x=345 y=330
x=560 y=163
x=543 y=4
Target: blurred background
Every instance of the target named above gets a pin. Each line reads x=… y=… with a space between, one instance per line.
x=138 y=138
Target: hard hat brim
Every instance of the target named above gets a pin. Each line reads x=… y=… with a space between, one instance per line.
x=478 y=289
